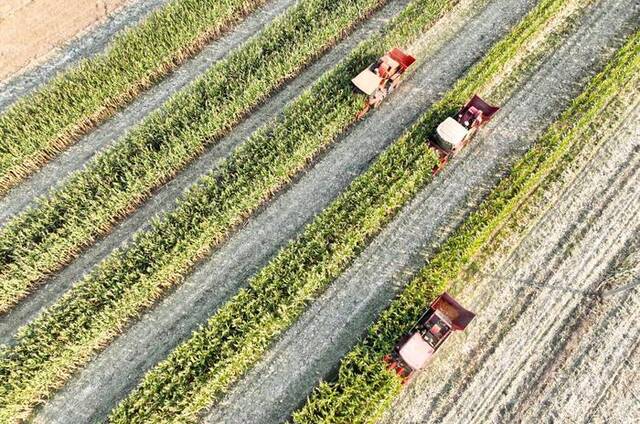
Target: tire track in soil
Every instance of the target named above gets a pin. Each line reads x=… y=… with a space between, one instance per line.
x=437 y=392
x=586 y=368
x=311 y=349
x=621 y=402
x=164 y=198
x=550 y=392
x=115 y=371
x=87 y=44
x=57 y=171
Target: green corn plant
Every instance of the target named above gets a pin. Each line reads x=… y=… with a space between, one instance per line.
x=38 y=127
x=44 y=238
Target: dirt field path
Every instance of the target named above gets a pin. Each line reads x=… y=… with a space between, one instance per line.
x=119 y=367
x=55 y=172
x=69 y=50
x=165 y=197
x=577 y=345
x=312 y=348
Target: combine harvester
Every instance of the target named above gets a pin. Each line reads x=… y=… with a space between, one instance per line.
x=383 y=76
x=453 y=134
x=416 y=348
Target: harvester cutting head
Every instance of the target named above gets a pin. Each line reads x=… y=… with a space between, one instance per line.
x=416 y=348
x=453 y=133
x=382 y=77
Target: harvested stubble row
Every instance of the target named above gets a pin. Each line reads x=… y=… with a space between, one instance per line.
x=87 y=317
x=200 y=370
x=43 y=239
x=364 y=387
x=38 y=127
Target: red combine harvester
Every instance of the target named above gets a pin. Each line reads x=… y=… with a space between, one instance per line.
x=453 y=134
x=416 y=348
x=382 y=77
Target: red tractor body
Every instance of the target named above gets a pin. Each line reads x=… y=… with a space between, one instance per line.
x=401 y=57
x=416 y=348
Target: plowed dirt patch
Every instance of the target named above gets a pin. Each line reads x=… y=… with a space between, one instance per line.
x=31 y=30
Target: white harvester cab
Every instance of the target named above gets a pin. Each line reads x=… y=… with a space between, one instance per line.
x=451 y=134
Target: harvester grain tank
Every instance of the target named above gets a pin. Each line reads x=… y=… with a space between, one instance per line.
x=382 y=77
x=416 y=348
x=454 y=133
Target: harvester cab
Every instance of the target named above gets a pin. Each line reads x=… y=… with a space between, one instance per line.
x=454 y=133
x=416 y=348
x=382 y=77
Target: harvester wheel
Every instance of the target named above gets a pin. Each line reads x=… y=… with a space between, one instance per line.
x=363 y=112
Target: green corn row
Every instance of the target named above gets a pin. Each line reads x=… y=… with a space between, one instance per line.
x=200 y=370
x=43 y=239
x=364 y=387
x=91 y=314
x=39 y=127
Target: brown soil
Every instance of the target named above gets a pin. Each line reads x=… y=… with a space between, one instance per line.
x=31 y=29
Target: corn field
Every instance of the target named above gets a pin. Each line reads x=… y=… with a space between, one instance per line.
x=61 y=341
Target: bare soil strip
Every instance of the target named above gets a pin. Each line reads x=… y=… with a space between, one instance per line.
x=537 y=346
x=620 y=401
x=164 y=198
x=123 y=363
x=55 y=172
x=312 y=348
x=88 y=44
